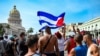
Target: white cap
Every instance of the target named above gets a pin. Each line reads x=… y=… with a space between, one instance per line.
x=71 y=33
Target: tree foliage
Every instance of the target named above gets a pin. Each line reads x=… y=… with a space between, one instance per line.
x=30 y=30
x=2 y=31
x=8 y=26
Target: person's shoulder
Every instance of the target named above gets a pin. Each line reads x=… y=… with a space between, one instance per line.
x=93 y=45
x=54 y=37
x=72 y=52
x=41 y=38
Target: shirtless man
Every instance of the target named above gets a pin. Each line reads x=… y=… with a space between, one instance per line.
x=52 y=47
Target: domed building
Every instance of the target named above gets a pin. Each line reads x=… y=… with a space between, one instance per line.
x=14 y=17
x=15 y=22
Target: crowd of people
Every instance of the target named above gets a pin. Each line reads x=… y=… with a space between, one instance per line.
x=76 y=44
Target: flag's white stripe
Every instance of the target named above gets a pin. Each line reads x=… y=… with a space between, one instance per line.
x=48 y=20
x=45 y=24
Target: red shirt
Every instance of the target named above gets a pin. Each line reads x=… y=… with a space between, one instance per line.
x=72 y=44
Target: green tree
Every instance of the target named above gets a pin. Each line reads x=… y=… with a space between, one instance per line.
x=2 y=31
x=30 y=30
x=8 y=26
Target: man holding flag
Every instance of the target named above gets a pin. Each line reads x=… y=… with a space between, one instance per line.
x=48 y=44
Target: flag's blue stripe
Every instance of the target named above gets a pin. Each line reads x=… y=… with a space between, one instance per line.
x=43 y=21
x=49 y=16
x=62 y=15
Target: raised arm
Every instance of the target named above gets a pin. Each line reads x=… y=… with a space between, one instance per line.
x=56 y=46
x=64 y=31
x=74 y=29
x=67 y=43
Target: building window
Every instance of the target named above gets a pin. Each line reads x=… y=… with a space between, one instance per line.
x=89 y=28
x=92 y=26
x=96 y=25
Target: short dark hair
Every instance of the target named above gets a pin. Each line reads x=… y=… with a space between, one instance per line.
x=22 y=33
x=48 y=29
x=89 y=35
x=78 y=38
x=32 y=39
x=6 y=37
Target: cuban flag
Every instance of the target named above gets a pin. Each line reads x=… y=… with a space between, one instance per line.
x=46 y=19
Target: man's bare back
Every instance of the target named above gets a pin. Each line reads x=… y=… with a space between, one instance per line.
x=51 y=44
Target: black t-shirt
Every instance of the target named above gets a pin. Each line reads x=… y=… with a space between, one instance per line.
x=9 y=48
x=23 y=49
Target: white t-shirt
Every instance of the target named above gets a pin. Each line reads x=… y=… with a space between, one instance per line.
x=89 y=50
x=61 y=44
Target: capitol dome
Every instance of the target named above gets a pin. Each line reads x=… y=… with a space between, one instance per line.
x=14 y=17
x=14 y=12
x=15 y=22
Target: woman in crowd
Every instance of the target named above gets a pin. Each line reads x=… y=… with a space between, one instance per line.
x=60 y=43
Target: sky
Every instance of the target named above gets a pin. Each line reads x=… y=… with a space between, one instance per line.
x=76 y=10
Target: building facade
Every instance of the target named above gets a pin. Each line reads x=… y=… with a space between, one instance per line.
x=93 y=26
x=14 y=22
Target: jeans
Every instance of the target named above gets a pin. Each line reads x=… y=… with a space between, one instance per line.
x=61 y=53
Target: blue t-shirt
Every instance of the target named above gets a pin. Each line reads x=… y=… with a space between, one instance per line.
x=81 y=50
x=37 y=54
